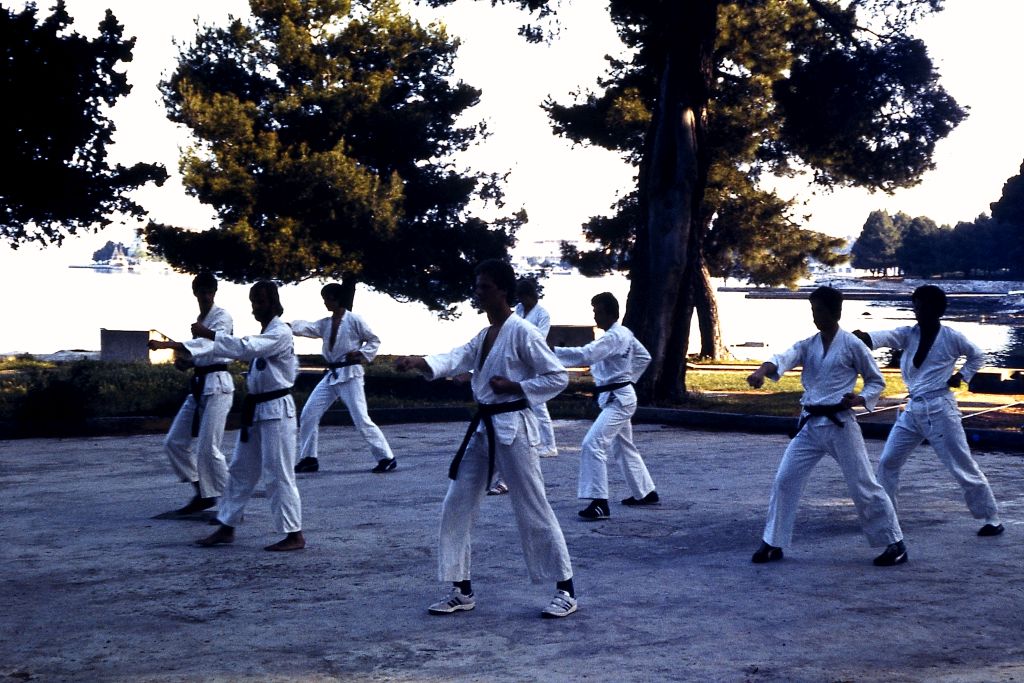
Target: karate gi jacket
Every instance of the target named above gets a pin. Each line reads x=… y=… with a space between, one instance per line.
x=353 y=335
x=538 y=317
x=938 y=366
x=272 y=363
x=616 y=356
x=219 y=320
x=827 y=377
x=520 y=354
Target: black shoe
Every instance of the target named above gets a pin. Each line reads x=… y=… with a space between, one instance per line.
x=650 y=499
x=991 y=530
x=308 y=464
x=766 y=553
x=598 y=509
x=385 y=465
x=895 y=553
x=197 y=504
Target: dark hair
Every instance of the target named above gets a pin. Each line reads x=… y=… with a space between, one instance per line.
x=606 y=301
x=269 y=287
x=932 y=300
x=501 y=274
x=527 y=286
x=204 y=279
x=333 y=291
x=830 y=298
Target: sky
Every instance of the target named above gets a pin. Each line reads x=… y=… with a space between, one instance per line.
x=560 y=185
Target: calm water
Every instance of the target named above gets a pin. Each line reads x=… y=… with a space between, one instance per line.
x=51 y=308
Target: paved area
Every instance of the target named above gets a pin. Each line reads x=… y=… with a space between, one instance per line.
x=96 y=590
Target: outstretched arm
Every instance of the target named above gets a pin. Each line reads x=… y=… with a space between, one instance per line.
x=756 y=378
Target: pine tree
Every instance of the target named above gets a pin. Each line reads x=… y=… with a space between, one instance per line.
x=325 y=131
x=713 y=88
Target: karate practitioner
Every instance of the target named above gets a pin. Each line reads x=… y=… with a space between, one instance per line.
x=928 y=364
x=205 y=410
x=530 y=310
x=616 y=361
x=513 y=369
x=831 y=361
x=267 y=438
x=348 y=341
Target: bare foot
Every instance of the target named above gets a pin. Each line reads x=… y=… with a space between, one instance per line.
x=222 y=536
x=293 y=541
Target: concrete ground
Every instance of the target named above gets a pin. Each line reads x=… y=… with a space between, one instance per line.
x=96 y=590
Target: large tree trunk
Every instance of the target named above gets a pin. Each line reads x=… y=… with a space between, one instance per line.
x=673 y=175
x=706 y=307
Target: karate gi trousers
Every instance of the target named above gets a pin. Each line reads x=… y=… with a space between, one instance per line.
x=612 y=434
x=547 y=431
x=846 y=445
x=547 y=557
x=203 y=461
x=936 y=418
x=270 y=450
x=352 y=394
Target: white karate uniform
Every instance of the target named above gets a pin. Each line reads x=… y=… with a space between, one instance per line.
x=520 y=354
x=271 y=444
x=540 y=319
x=206 y=462
x=826 y=377
x=344 y=384
x=614 y=357
x=932 y=414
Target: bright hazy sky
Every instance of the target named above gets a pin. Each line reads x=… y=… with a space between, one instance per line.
x=973 y=43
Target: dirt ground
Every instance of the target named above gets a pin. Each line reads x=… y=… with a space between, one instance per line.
x=97 y=590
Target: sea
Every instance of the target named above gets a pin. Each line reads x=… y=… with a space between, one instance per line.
x=56 y=308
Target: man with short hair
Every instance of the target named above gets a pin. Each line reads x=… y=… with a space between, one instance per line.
x=266 y=441
x=202 y=416
x=616 y=361
x=530 y=310
x=831 y=361
x=347 y=342
x=928 y=364
x=513 y=368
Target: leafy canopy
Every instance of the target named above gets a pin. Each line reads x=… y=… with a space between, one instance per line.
x=325 y=134
x=797 y=84
x=58 y=87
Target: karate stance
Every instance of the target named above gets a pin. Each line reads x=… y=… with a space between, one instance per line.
x=928 y=364
x=348 y=341
x=267 y=438
x=831 y=361
x=530 y=310
x=513 y=369
x=204 y=412
x=616 y=361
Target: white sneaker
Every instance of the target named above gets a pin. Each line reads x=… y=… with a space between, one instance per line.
x=553 y=453
x=456 y=602
x=562 y=605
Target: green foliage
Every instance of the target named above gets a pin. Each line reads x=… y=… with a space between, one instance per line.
x=58 y=399
x=920 y=252
x=54 y=132
x=326 y=131
x=875 y=248
x=791 y=88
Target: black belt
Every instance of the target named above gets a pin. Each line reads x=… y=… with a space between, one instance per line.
x=331 y=367
x=196 y=384
x=602 y=388
x=829 y=411
x=484 y=413
x=249 y=404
